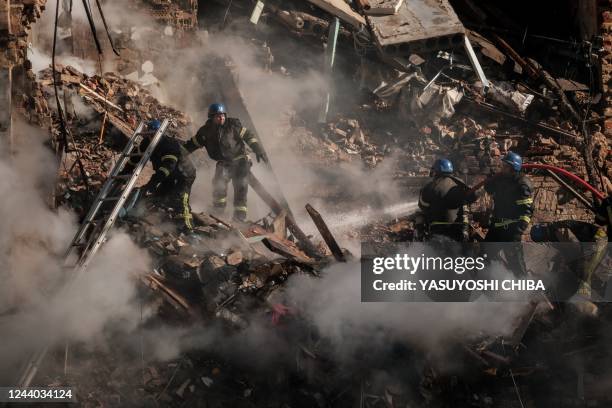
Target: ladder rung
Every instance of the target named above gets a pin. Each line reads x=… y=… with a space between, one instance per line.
x=111 y=199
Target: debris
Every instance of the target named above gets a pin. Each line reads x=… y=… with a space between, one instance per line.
x=504 y=94
x=475 y=63
x=413 y=29
x=383 y=7
x=181 y=390
x=420 y=94
x=341 y=10
x=326 y=233
x=276 y=207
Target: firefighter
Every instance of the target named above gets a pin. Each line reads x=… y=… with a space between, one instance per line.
x=512 y=194
x=576 y=232
x=583 y=258
x=225 y=140
x=442 y=201
x=174 y=172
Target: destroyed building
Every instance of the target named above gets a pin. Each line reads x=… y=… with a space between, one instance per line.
x=353 y=101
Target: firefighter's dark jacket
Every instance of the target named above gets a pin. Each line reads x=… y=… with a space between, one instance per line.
x=513 y=197
x=442 y=199
x=224 y=143
x=165 y=157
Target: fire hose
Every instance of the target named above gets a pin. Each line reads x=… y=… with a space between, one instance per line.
x=598 y=194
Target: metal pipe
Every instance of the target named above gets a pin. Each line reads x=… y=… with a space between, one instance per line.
x=569 y=188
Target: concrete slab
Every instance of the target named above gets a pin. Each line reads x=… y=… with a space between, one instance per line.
x=418 y=26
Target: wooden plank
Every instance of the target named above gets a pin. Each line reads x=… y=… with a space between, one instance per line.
x=99 y=97
x=341 y=10
x=326 y=233
x=308 y=246
x=288 y=252
x=171 y=296
x=279 y=246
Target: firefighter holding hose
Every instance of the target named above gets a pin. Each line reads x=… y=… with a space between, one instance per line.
x=442 y=201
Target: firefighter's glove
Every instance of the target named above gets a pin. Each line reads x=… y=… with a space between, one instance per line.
x=261 y=156
x=522 y=226
x=150 y=188
x=152 y=185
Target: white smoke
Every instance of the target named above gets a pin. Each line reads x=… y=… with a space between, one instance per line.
x=36 y=308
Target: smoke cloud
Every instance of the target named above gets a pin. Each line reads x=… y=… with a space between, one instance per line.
x=333 y=304
x=36 y=309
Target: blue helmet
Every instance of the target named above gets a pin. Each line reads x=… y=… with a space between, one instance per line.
x=443 y=166
x=539 y=233
x=216 y=108
x=154 y=124
x=513 y=160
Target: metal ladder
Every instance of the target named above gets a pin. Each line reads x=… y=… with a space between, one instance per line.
x=98 y=229
x=121 y=191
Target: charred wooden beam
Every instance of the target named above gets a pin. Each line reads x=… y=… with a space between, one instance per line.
x=308 y=246
x=174 y=298
x=341 y=10
x=286 y=251
x=326 y=233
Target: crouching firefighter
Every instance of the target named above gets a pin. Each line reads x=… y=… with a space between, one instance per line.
x=442 y=202
x=582 y=250
x=174 y=173
x=512 y=194
x=225 y=140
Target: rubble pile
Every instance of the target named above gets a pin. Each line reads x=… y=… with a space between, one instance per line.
x=20 y=17
x=182 y=16
x=417 y=101
x=124 y=102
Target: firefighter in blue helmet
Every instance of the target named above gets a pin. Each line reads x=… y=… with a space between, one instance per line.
x=512 y=194
x=174 y=173
x=442 y=201
x=225 y=140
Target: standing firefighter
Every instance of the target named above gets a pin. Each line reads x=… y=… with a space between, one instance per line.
x=174 y=172
x=512 y=194
x=225 y=141
x=442 y=201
